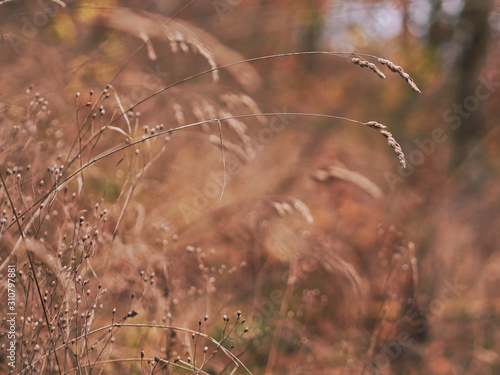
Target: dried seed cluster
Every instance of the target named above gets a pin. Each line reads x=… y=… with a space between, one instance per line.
x=365 y=64
x=382 y=129
x=397 y=69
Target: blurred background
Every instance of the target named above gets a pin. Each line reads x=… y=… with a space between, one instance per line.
x=340 y=260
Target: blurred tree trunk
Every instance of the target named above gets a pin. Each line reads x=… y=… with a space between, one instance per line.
x=437 y=33
x=469 y=37
x=311 y=34
x=473 y=21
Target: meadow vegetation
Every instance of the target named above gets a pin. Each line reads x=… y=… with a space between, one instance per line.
x=178 y=200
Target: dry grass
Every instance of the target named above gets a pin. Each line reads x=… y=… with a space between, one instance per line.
x=91 y=198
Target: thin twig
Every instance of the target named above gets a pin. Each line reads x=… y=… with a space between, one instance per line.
x=169 y=131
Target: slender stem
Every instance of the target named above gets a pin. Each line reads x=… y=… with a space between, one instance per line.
x=228 y=353
x=169 y=131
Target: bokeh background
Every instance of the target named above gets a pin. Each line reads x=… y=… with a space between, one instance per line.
x=340 y=261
